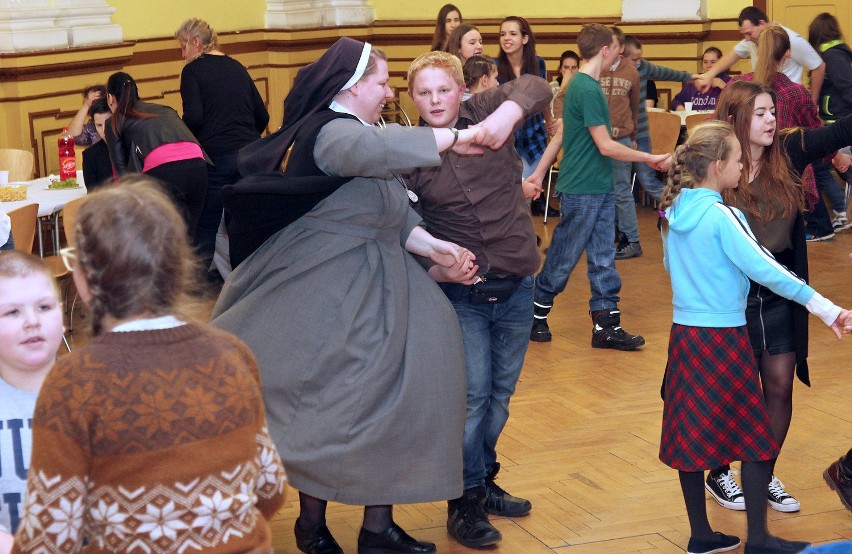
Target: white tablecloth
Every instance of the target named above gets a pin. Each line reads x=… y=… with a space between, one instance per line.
x=49 y=201
x=683 y=114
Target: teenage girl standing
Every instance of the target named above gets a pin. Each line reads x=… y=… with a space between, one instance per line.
x=714 y=411
x=772 y=200
x=517 y=57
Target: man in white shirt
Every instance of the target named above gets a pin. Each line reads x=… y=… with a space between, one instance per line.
x=802 y=55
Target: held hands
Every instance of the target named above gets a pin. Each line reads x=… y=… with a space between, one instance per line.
x=703 y=82
x=463 y=271
x=843 y=324
x=841 y=161
x=660 y=162
x=468 y=142
x=532 y=187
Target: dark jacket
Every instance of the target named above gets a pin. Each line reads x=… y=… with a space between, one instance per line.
x=97 y=169
x=835 y=99
x=137 y=137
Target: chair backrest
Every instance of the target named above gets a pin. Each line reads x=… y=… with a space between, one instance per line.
x=19 y=164
x=692 y=121
x=394 y=113
x=69 y=217
x=24 y=226
x=665 y=130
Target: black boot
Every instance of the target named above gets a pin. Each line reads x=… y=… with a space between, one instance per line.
x=498 y=502
x=467 y=521
x=607 y=332
x=540 y=331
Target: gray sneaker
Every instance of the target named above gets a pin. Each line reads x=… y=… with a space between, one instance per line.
x=632 y=250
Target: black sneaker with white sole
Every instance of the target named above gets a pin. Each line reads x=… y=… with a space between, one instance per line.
x=725 y=490
x=779 y=499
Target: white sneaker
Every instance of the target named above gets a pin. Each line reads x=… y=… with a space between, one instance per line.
x=779 y=499
x=725 y=490
x=839 y=222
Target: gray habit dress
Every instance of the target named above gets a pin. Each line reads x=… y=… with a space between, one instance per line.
x=360 y=352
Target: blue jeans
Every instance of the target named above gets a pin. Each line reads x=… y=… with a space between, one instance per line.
x=625 y=205
x=587 y=223
x=495 y=338
x=646 y=176
x=10 y=243
x=818 y=219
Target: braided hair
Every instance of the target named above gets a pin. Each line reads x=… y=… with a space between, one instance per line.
x=133 y=251
x=708 y=143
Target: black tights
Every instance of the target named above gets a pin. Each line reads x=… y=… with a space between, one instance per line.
x=755 y=481
x=312 y=514
x=776 y=378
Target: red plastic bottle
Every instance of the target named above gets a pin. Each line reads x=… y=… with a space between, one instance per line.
x=67 y=159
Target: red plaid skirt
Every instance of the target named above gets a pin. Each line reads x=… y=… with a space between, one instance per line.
x=714 y=410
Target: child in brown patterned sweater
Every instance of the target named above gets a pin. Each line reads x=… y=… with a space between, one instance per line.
x=151 y=437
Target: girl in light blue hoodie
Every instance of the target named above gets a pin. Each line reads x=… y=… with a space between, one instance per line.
x=714 y=410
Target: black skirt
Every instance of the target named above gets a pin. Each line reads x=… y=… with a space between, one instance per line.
x=769 y=319
x=714 y=410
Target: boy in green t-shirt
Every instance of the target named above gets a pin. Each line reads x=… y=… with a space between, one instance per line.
x=587 y=200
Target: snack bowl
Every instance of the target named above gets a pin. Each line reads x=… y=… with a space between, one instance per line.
x=13 y=192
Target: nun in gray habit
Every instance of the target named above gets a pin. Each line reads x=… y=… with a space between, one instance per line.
x=360 y=352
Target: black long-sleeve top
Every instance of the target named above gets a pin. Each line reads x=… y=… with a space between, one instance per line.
x=803 y=147
x=221 y=104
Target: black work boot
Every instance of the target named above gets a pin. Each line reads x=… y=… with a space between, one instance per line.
x=540 y=331
x=467 y=521
x=498 y=502
x=607 y=332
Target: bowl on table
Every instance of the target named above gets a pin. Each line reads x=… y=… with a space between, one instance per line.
x=13 y=192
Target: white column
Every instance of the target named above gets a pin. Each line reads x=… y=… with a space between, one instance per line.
x=28 y=25
x=296 y=14
x=663 y=10
x=88 y=22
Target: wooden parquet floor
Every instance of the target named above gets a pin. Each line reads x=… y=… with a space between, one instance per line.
x=582 y=439
x=583 y=436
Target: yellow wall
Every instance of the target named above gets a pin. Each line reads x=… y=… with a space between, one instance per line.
x=158 y=18
x=476 y=9
x=498 y=9
x=724 y=9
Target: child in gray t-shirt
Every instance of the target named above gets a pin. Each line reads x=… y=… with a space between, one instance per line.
x=31 y=329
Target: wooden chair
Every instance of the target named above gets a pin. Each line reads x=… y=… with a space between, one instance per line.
x=24 y=226
x=696 y=119
x=19 y=163
x=57 y=266
x=664 y=128
x=394 y=113
x=553 y=169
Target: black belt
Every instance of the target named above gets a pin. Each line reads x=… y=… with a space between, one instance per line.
x=491 y=290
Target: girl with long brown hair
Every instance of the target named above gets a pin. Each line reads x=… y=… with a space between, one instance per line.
x=771 y=197
x=449 y=17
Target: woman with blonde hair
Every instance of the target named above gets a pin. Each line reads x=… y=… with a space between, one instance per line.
x=223 y=108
